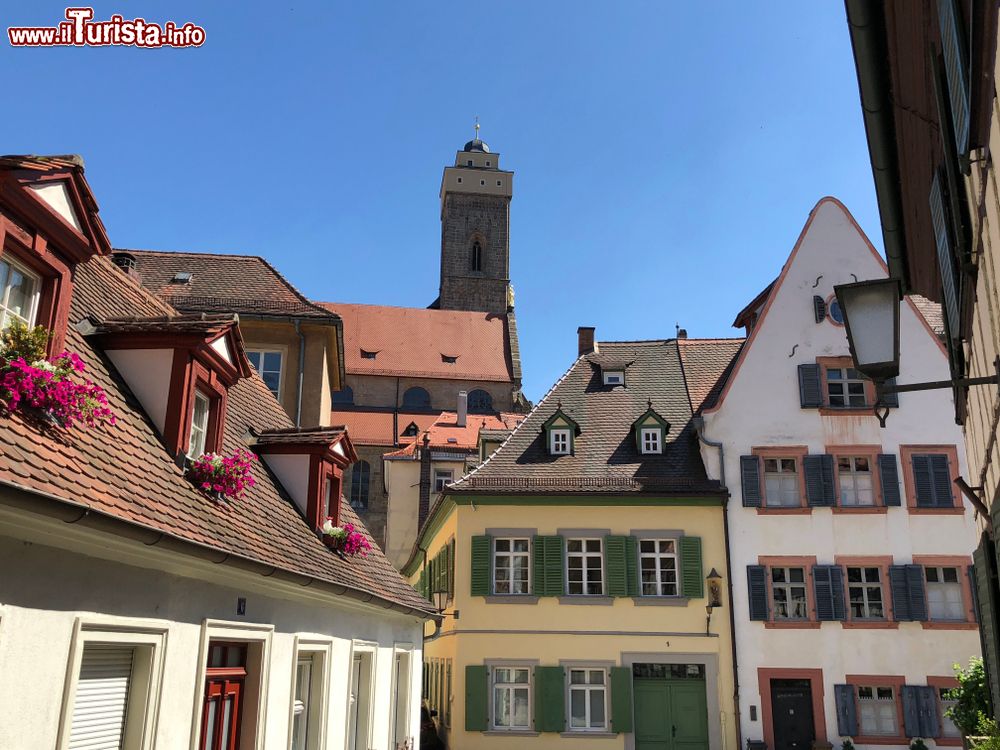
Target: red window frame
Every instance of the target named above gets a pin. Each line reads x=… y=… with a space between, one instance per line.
x=223 y=684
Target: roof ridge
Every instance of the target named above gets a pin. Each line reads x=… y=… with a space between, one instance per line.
x=210 y=253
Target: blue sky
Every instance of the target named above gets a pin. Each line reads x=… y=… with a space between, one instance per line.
x=666 y=155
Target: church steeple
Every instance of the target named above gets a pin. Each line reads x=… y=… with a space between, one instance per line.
x=475 y=231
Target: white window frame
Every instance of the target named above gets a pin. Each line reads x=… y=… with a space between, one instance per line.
x=559 y=441
x=586 y=689
x=510 y=567
x=584 y=555
x=780 y=497
x=5 y=314
x=787 y=586
x=876 y=704
x=649 y=440
x=400 y=713
x=198 y=438
x=282 y=353
x=659 y=568
x=864 y=585
x=614 y=377
x=510 y=688
x=940 y=586
x=443 y=477
x=319 y=653
x=851 y=479
x=148 y=639
x=368 y=652
x=845 y=380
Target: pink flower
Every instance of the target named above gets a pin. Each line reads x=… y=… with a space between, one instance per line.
x=227 y=475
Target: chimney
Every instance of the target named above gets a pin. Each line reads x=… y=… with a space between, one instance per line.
x=463 y=408
x=585 y=336
x=424 y=498
x=682 y=333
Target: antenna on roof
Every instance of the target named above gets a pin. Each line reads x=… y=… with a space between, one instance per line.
x=677 y=329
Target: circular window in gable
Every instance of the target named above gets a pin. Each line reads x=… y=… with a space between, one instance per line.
x=833 y=311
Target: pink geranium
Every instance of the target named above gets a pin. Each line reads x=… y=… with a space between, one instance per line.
x=227 y=476
x=46 y=386
x=346 y=538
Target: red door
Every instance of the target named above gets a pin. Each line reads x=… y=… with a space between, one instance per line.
x=222 y=712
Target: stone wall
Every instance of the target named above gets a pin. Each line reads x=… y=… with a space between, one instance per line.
x=464 y=219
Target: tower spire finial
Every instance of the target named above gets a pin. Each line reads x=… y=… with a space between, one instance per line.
x=477 y=127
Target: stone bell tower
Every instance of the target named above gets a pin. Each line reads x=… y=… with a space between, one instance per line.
x=475 y=231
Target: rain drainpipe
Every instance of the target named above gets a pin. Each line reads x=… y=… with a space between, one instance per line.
x=302 y=372
x=699 y=427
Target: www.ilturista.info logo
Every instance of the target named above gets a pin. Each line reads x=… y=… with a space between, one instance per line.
x=80 y=30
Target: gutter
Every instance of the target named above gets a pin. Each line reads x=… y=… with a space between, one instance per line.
x=698 y=422
x=78 y=514
x=866 y=23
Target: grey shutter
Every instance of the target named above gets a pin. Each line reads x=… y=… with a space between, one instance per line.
x=101 y=698
x=889 y=478
x=750 y=473
x=922 y=482
x=945 y=256
x=820 y=488
x=847 y=711
x=974 y=586
x=949 y=23
x=927 y=701
x=984 y=561
x=757 y=590
x=810 y=391
x=911 y=711
x=890 y=399
x=828 y=582
x=819 y=308
x=909 y=602
x=941 y=481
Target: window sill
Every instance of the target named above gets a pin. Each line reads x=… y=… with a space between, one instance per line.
x=660 y=601
x=949 y=625
x=583 y=735
x=792 y=624
x=605 y=601
x=872 y=625
x=860 y=510
x=948 y=741
x=880 y=740
x=916 y=510
x=784 y=510
x=511 y=599
x=852 y=411
x=511 y=733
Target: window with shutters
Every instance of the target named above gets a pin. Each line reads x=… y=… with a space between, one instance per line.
x=789 y=600
x=878 y=714
x=511 y=566
x=928 y=473
x=782 y=487
x=945 y=600
x=584 y=567
x=865 y=593
x=945 y=701
x=855 y=481
x=845 y=388
x=782 y=594
x=658 y=567
x=511 y=698
x=588 y=700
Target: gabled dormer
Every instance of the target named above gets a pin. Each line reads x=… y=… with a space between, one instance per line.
x=48 y=225
x=310 y=463
x=650 y=432
x=611 y=371
x=181 y=369
x=560 y=432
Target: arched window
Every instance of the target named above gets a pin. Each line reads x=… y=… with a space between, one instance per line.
x=343 y=397
x=480 y=402
x=477 y=256
x=416 y=398
x=360 y=474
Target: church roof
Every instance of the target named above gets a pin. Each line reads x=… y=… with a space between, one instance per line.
x=476 y=145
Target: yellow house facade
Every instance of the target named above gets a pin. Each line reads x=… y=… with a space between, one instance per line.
x=583 y=574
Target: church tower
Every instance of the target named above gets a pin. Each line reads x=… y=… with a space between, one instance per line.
x=475 y=231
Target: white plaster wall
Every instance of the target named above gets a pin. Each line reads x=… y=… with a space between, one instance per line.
x=52 y=588
x=57 y=196
x=762 y=408
x=147 y=372
x=292 y=471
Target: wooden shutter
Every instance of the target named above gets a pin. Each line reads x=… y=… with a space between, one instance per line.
x=101 y=698
x=757 y=589
x=616 y=568
x=820 y=487
x=828 y=581
x=451 y=569
x=932 y=481
x=692 y=574
x=810 y=390
x=621 y=699
x=847 y=711
x=422 y=583
x=984 y=559
x=911 y=711
x=974 y=588
x=482 y=562
x=945 y=256
x=547 y=556
x=927 y=701
x=750 y=475
x=632 y=566
x=477 y=690
x=952 y=49
x=909 y=602
x=819 y=308
x=550 y=701
x=889 y=478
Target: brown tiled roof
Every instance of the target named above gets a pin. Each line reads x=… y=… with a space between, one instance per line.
x=605 y=458
x=245 y=284
x=124 y=470
x=299 y=436
x=374 y=426
x=931 y=312
x=706 y=364
x=175 y=324
x=413 y=341
x=41 y=163
x=445 y=434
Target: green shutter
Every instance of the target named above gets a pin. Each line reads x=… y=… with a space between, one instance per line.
x=482 y=555
x=692 y=576
x=547 y=555
x=550 y=708
x=621 y=699
x=451 y=569
x=422 y=583
x=616 y=565
x=476 y=692
x=631 y=566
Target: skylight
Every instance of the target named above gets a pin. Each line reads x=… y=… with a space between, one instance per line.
x=181 y=277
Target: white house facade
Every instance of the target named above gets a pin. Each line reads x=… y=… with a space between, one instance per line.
x=850 y=546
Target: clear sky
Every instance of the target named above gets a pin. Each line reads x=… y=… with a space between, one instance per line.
x=666 y=154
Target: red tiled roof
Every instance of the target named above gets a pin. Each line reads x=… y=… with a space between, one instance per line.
x=706 y=364
x=445 y=434
x=374 y=426
x=413 y=341
x=169 y=324
x=298 y=436
x=125 y=471
x=931 y=312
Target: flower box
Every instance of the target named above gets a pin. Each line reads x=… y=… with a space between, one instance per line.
x=223 y=477
x=344 y=540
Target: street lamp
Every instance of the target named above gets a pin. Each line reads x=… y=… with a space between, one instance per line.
x=871 y=317
x=714 y=597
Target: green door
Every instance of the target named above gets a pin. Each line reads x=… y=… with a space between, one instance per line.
x=670 y=714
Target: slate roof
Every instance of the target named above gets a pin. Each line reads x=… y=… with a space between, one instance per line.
x=245 y=284
x=605 y=458
x=413 y=341
x=707 y=363
x=124 y=470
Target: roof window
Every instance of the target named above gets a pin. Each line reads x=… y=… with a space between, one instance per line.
x=365 y=354
x=181 y=277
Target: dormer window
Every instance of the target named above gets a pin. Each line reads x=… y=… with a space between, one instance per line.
x=199 y=424
x=559 y=442
x=560 y=433
x=614 y=377
x=650 y=432
x=365 y=354
x=448 y=359
x=651 y=440
x=20 y=288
